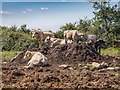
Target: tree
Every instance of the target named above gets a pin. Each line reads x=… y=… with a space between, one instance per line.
x=23 y=29
x=105 y=17
x=59 y=34
x=84 y=25
x=69 y=26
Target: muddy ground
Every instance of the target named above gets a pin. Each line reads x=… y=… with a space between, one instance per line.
x=79 y=74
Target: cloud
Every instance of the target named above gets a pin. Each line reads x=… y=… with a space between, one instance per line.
x=24 y=12
x=44 y=8
x=5 y=12
x=29 y=10
x=63 y=0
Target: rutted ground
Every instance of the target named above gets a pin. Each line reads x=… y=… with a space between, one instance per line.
x=78 y=74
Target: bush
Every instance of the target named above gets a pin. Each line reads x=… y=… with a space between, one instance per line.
x=17 y=41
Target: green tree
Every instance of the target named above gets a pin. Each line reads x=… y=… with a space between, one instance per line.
x=105 y=17
x=59 y=34
x=69 y=26
x=23 y=29
x=84 y=25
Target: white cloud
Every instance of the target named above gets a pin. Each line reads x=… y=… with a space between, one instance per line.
x=44 y=8
x=29 y=10
x=5 y=12
x=24 y=12
x=63 y=0
x=1 y=11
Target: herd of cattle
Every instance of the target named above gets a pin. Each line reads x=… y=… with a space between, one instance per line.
x=70 y=36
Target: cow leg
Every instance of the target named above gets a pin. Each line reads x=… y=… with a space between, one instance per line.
x=96 y=47
x=39 y=44
x=65 y=40
x=99 y=49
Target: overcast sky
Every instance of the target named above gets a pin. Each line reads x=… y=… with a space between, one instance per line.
x=44 y=15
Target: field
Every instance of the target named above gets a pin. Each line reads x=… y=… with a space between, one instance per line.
x=78 y=73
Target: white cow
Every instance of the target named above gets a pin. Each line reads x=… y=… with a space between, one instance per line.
x=41 y=36
x=36 y=59
x=73 y=35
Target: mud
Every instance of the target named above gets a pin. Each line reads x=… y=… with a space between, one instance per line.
x=14 y=75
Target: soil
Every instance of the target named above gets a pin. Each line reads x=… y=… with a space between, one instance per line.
x=14 y=75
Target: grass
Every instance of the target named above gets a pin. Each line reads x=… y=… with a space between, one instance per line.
x=8 y=55
x=111 y=51
x=83 y=65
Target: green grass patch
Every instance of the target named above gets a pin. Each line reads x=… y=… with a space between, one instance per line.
x=91 y=66
x=111 y=51
x=8 y=55
x=83 y=65
x=69 y=66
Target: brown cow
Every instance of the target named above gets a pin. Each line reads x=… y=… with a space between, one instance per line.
x=41 y=36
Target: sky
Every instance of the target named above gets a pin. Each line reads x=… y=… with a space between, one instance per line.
x=44 y=15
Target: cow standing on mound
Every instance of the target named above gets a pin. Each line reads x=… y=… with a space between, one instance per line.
x=96 y=42
x=41 y=36
x=92 y=38
x=36 y=59
x=73 y=35
x=98 y=45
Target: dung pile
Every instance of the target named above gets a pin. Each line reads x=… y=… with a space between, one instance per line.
x=66 y=54
x=74 y=53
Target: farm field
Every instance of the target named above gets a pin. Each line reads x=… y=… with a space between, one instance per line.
x=60 y=44
x=78 y=74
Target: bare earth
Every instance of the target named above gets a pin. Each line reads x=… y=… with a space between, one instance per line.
x=52 y=76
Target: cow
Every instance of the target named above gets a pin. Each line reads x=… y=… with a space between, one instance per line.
x=99 y=44
x=55 y=41
x=41 y=36
x=73 y=35
x=96 y=42
x=35 y=59
x=92 y=38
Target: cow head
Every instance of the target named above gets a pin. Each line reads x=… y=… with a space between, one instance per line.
x=35 y=33
x=47 y=40
x=28 y=55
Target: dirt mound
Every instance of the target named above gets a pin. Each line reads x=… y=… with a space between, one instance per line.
x=52 y=76
x=67 y=54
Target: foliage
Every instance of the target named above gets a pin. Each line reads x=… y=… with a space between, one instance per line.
x=106 y=21
x=23 y=29
x=59 y=34
x=69 y=26
x=15 y=40
x=84 y=25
